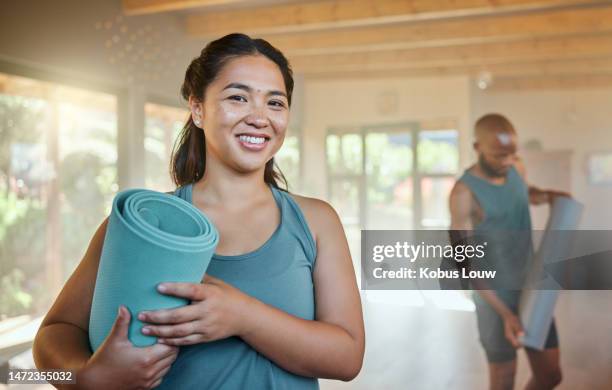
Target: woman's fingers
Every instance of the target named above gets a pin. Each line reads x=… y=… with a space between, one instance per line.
x=160 y=369
x=158 y=352
x=164 y=369
x=169 y=316
x=156 y=383
x=212 y=280
x=178 y=330
x=163 y=364
x=186 y=340
x=193 y=291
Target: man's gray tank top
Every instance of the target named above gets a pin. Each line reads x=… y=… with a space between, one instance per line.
x=506 y=222
x=279 y=273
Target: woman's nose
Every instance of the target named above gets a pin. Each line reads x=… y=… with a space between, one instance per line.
x=257 y=119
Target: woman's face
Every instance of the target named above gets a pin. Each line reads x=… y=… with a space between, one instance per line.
x=245 y=113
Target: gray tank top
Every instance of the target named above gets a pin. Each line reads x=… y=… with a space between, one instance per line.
x=506 y=226
x=279 y=273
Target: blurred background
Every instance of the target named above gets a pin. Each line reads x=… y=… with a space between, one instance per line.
x=381 y=126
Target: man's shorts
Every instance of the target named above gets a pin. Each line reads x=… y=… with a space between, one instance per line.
x=491 y=328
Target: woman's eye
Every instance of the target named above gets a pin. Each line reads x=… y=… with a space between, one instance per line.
x=238 y=98
x=277 y=103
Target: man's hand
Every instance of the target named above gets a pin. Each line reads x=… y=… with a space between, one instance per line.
x=538 y=196
x=552 y=195
x=513 y=329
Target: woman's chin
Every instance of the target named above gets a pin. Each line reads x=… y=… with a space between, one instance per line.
x=251 y=165
x=247 y=161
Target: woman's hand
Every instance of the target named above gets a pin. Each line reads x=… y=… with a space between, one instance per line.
x=217 y=311
x=118 y=364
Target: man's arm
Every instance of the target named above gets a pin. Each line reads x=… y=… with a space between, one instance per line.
x=462 y=209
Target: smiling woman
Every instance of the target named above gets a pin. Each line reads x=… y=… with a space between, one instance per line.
x=259 y=100
x=279 y=306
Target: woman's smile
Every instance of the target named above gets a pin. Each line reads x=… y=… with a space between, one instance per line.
x=253 y=142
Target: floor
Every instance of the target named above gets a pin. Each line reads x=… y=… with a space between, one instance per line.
x=427 y=342
x=425 y=347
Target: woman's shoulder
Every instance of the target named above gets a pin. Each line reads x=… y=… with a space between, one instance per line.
x=313 y=205
x=319 y=214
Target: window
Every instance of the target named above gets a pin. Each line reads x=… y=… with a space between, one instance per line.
x=288 y=160
x=438 y=162
x=392 y=177
x=163 y=125
x=600 y=168
x=58 y=176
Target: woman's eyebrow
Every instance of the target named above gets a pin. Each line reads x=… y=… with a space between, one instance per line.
x=249 y=89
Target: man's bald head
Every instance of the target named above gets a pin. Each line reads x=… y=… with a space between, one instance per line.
x=492 y=125
x=495 y=144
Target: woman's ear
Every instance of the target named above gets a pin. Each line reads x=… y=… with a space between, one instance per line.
x=196 y=111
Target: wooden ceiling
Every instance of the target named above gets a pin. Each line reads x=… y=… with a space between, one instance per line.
x=567 y=42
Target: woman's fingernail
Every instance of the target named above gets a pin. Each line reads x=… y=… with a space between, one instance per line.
x=146 y=330
x=141 y=316
x=161 y=287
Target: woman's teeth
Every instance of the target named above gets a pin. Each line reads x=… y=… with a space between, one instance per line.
x=252 y=140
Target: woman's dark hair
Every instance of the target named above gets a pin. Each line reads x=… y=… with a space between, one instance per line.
x=188 y=160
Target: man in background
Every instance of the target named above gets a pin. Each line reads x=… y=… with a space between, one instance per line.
x=493 y=195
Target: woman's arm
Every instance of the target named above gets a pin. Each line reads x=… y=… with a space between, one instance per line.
x=333 y=345
x=62 y=340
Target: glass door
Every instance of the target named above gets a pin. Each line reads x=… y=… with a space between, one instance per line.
x=390 y=188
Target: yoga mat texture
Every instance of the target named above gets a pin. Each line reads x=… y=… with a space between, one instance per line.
x=151 y=237
x=537 y=303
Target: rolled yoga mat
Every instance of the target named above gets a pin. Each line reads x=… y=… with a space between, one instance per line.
x=538 y=303
x=151 y=237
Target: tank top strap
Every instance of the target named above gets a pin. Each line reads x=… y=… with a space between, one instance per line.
x=515 y=178
x=294 y=221
x=184 y=192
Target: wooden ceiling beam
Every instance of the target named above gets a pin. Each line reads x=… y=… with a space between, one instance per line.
x=513 y=82
x=537 y=68
x=141 y=7
x=599 y=67
x=506 y=28
x=572 y=48
x=565 y=82
x=570 y=81
x=326 y=15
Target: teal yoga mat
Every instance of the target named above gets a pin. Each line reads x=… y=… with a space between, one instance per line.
x=151 y=237
x=538 y=303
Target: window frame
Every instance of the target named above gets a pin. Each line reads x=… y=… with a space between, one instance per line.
x=414 y=128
